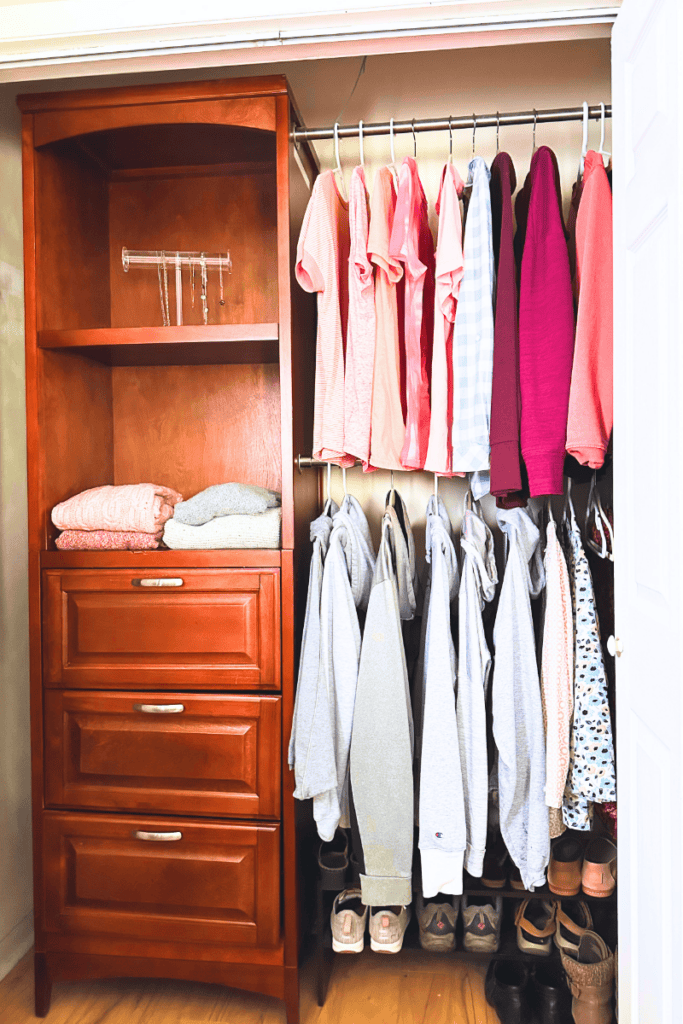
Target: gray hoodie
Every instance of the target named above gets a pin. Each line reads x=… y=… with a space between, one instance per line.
x=517 y=713
x=441 y=812
x=381 y=747
x=347 y=581
x=310 y=743
x=477 y=586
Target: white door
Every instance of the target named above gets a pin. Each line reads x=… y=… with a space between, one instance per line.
x=648 y=471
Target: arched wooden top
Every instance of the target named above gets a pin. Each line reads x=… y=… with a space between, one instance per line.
x=244 y=112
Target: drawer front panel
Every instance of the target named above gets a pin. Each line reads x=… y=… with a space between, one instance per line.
x=203 y=882
x=204 y=628
x=189 y=754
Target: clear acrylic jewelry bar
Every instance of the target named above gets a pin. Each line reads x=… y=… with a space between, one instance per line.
x=165 y=260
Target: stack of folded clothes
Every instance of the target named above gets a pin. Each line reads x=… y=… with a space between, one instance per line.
x=130 y=517
x=228 y=515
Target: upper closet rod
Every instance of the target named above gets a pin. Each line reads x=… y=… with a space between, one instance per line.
x=444 y=123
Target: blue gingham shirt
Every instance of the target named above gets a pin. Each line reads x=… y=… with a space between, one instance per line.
x=473 y=332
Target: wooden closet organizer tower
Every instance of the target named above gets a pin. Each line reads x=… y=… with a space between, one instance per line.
x=165 y=843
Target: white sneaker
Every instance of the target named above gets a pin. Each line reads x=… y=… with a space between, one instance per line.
x=387 y=928
x=348 y=919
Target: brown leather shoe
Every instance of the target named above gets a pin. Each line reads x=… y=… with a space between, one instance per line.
x=600 y=868
x=572 y=919
x=564 y=872
x=590 y=975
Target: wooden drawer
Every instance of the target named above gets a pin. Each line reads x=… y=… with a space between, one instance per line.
x=120 y=751
x=217 y=883
x=215 y=629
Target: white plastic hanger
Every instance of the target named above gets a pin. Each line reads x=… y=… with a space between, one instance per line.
x=497 y=132
x=414 y=139
x=338 y=168
x=474 y=133
x=450 y=141
x=533 y=134
x=436 y=488
x=343 y=469
x=328 y=499
x=602 y=151
x=596 y=514
x=392 y=492
x=584 y=143
x=360 y=144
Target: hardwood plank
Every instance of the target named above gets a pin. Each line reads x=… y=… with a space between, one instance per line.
x=227 y=558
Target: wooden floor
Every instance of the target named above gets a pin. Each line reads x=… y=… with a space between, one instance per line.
x=408 y=988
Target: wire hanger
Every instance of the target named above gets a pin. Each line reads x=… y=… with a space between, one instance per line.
x=497 y=132
x=414 y=139
x=603 y=152
x=584 y=143
x=603 y=526
x=450 y=140
x=343 y=469
x=392 y=492
x=360 y=143
x=533 y=135
x=474 y=132
x=338 y=168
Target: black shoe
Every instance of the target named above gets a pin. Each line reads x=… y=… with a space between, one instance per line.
x=505 y=988
x=496 y=864
x=549 y=995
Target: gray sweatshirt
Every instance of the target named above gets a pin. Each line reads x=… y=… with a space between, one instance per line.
x=311 y=741
x=381 y=746
x=477 y=586
x=347 y=581
x=441 y=811
x=517 y=713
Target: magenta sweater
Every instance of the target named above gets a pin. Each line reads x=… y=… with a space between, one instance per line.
x=546 y=330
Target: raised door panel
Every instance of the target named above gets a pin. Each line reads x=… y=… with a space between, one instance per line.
x=189 y=628
x=201 y=882
x=189 y=754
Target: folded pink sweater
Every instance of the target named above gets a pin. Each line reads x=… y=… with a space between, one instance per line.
x=143 y=508
x=107 y=540
x=590 y=398
x=546 y=330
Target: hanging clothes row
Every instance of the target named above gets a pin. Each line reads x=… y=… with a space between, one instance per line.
x=468 y=356
x=418 y=753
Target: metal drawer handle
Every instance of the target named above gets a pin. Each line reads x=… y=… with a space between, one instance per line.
x=158 y=837
x=165 y=581
x=160 y=709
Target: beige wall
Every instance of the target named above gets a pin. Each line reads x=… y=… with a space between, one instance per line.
x=402 y=86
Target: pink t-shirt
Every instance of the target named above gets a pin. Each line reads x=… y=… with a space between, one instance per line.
x=360 y=338
x=450 y=267
x=322 y=266
x=413 y=245
x=388 y=425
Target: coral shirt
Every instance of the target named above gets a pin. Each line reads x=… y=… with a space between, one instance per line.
x=322 y=266
x=412 y=244
x=388 y=425
x=450 y=268
x=590 y=396
x=360 y=339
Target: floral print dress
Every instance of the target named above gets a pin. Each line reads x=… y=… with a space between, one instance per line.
x=591 y=774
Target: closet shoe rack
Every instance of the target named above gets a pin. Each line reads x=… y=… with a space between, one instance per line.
x=324 y=957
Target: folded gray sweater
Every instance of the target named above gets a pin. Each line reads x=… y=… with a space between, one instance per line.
x=225 y=500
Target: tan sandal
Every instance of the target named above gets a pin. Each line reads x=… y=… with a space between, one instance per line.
x=535 y=921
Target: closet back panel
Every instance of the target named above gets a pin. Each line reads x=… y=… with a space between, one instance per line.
x=193 y=426
x=76 y=431
x=233 y=211
x=72 y=241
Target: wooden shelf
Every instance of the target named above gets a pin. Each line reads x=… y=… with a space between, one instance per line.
x=169 y=346
x=224 y=558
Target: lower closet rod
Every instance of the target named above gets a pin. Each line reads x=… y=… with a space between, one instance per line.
x=305 y=462
x=444 y=123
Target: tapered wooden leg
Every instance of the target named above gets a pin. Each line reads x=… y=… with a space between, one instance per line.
x=292 y=994
x=43 y=985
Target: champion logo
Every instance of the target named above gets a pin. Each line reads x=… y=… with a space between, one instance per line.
x=439 y=835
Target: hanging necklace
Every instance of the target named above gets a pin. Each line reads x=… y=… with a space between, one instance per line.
x=165 y=318
x=205 y=304
x=220 y=277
